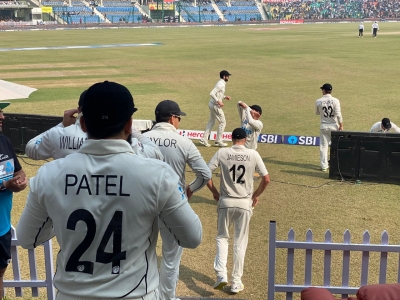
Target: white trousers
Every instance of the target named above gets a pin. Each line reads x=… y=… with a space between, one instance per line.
x=170 y=261
x=216 y=114
x=150 y=296
x=325 y=139
x=240 y=218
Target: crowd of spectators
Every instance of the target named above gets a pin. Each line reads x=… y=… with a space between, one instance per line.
x=9 y=19
x=340 y=9
x=11 y=3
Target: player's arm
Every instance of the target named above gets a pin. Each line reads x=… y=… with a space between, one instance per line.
x=213 y=165
x=146 y=147
x=199 y=167
x=374 y=128
x=338 y=114
x=40 y=147
x=395 y=127
x=35 y=226
x=176 y=213
x=216 y=91
x=19 y=181
x=265 y=180
x=316 y=108
x=242 y=114
x=256 y=124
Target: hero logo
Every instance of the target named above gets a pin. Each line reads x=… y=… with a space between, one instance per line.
x=301 y=140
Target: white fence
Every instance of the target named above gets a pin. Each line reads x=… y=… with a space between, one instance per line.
x=327 y=246
x=34 y=283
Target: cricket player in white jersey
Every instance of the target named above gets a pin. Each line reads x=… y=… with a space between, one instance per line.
x=328 y=108
x=375 y=28
x=67 y=137
x=361 y=30
x=385 y=126
x=177 y=151
x=250 y=122
x=103 y=204
x=235 y=202
x=216 y=113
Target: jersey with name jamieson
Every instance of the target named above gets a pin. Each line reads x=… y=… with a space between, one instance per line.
x=238 y=157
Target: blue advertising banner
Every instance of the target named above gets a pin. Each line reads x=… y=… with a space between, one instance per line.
x=270 y=138
x=301 y=140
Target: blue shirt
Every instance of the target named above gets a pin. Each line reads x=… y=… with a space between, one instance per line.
x=9 y=164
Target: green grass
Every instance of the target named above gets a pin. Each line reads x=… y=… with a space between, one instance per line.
x=281 y=70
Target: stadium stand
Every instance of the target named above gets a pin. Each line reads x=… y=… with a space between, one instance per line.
x=203 y=12
x=240 y=10
x=120 y=11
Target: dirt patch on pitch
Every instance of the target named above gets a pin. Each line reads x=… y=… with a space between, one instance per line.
x=267 y=29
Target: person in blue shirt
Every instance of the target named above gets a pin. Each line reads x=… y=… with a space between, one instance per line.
x=12 y=180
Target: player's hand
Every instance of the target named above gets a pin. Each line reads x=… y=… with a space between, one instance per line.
x=340 y=127
x=189 y=193
x=228 y=98
x=256 y=114
x=242 y=104
x=16 y=184
x=255 y=201
x=69 y=117
x=221 y=104
x=216 y=196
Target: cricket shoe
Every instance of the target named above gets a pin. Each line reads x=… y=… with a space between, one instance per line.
x=324 y=169
x=221 y=144
x=221 y=282
x=205 y=143
x=236 y=288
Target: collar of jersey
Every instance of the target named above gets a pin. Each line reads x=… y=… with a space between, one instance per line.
x=105 y=147
x=164 y=126
x=238 y=146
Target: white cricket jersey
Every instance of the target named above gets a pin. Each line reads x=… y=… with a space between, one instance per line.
x=252 y=127
x=377 y=127
x=103 y=204
x=375 y=25
x=177 y=151
x=328 y=108
x=60 y=141
x=361 y=26
x=218 y=92
x=237 y=165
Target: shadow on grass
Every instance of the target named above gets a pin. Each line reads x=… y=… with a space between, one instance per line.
x=291 y=163
x=317 y=173
x=190 y=276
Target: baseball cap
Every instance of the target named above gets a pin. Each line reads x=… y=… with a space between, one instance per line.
x=224 y=73
x=238 y=134
x=166 y=108
x=257 y=108
x=326 y=87
x=4 y=104
x=106 y=107
x=386 y=123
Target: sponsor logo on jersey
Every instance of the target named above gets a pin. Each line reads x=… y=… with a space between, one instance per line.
x=38 y=141
x=3 y=156
x=301 y=140
x=182 y=191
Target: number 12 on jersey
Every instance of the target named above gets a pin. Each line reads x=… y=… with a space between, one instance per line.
x=233 y=170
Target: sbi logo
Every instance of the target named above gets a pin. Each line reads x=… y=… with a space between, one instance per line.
x=292 y=140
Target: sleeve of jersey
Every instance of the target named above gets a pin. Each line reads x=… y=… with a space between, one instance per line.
x=242 y=115
x=256 y=124
x=215 y=91
x=395 y=128
x=260 y=167
x=177 y=215
x=338 y=113
x=40 y=147
x=146 y=147
x=35 y=226
x=199 y=167
x=316 y=108
x=214 y=162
